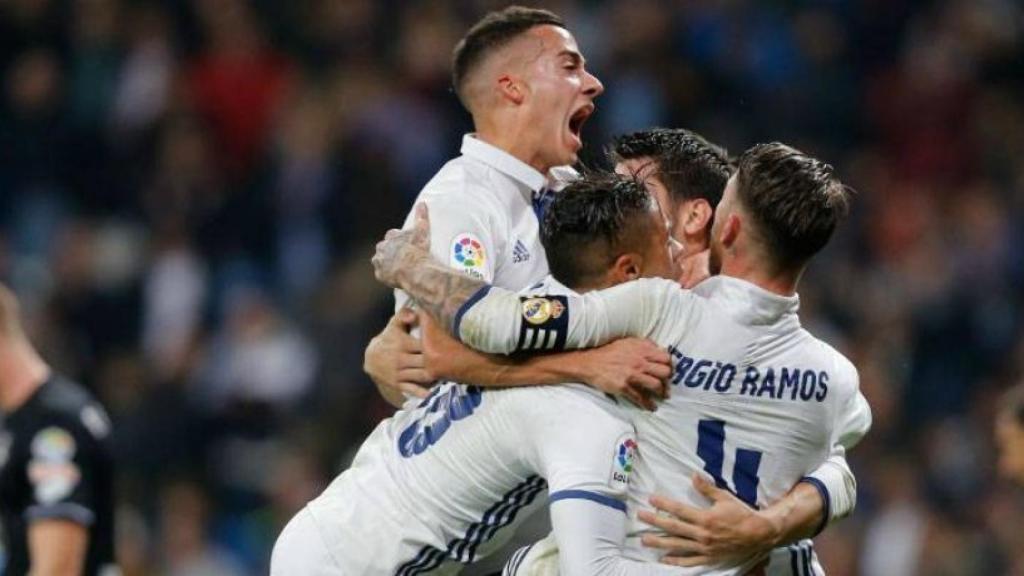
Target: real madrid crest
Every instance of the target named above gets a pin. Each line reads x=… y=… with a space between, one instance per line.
x=539 y=310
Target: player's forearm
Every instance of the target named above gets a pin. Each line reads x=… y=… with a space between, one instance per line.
x=590 y=538
x=800 y=514
x=57 y=548
x=492 y=370
x=438 y=289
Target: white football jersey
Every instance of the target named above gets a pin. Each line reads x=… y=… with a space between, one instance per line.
x=443 y=484
x=757 y=403
x=482 y=217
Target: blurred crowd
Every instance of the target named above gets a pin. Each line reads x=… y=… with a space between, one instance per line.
x=190 y=192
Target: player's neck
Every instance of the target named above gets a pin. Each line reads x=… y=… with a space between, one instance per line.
x=512 y=140
x=22 y=371
x=781 y=283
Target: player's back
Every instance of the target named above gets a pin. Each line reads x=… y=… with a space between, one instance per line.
x=754 y=401
x=444 y=483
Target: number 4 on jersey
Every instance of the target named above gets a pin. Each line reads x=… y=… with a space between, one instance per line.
x=711 y=449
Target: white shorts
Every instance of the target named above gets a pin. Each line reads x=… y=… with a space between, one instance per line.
x=300 y=550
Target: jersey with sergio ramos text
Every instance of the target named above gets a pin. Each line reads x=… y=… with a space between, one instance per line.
x=757 y=403
x=444 y=483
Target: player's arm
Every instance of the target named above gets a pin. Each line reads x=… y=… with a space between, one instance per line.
x=590 y=536
x=57 y=547
x=460 y=237
x=62 y=471
x=633 y=368
x=494 y=320
x=730 y=529
x=394 y=361
x=587 y=461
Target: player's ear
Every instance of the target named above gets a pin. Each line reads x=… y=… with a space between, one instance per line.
x=730 y=231
x=511 y=89
x=695 y=216
x=628 y=266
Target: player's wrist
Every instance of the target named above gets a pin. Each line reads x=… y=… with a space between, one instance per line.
x=579 y=365
x=769 y=529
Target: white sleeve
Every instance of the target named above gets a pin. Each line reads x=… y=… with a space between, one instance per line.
x=834 y=479
x=502 y=322
x=854 y=421
x=590 y=538
x=581 y=448
x=586 y=453
x=461 y=235
x=837 y=486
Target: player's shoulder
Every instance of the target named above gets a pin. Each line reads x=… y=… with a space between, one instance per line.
x=842 y=366
x=570 y=407
x=664 y=289
x=64 y=404
x=460 y=180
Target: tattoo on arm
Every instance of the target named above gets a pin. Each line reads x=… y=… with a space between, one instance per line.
x=439 y=290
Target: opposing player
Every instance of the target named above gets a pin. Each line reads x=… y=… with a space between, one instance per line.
x=522 y=77
x=744 y=368
x=437 y=485
x=56 y=471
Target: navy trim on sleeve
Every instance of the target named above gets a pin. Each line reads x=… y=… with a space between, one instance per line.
x=63 y=510
x=476 y=297
x=823 y=492
x=585 y=495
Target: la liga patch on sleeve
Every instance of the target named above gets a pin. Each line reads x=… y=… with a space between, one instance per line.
x=623 y=460
x=52 y=470
x=468 y=255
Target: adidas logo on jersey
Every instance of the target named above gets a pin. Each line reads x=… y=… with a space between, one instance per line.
x=520 y=253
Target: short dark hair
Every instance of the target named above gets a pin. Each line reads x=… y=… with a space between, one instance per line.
x=593 y=221
x=494 y=31
x=796 y=201
x=688 y=164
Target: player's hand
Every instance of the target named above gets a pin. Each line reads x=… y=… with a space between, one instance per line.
x=729 y=530
x=633 y=368
x=394 y=359
x=439 y=348
x=694 y=269
x=400 y=250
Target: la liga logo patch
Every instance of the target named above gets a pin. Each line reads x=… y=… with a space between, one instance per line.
x=627 y=451
x=622 y=464
x=468 y=251
x=468 y=254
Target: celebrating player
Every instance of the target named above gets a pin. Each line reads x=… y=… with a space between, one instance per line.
x=520 y=74
x=686 y=174
x=439 y=484
x=56 y=477
x=744 y=368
